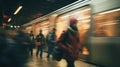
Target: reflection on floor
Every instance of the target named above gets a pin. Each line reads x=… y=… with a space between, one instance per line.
x=44 y=62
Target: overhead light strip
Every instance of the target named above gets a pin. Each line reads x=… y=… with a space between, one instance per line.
x=109 y=11
x=9 y=19
x=19 y=8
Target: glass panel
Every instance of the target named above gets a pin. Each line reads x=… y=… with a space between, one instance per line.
x=107 y=23
x=44 y=25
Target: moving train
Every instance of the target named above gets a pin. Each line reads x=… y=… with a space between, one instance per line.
x=98 y=24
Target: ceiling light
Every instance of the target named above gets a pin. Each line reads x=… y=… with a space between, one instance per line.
x=19 y=8
x=80 y=0
x=109 y=11
x=11 y=26
x=9 y=19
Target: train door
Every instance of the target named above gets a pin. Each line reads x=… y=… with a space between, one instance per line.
x=105 y=44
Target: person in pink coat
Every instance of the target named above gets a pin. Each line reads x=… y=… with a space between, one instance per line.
x=69 y=43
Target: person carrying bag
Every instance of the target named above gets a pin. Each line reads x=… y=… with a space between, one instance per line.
x=40 y=43
x=69 y=43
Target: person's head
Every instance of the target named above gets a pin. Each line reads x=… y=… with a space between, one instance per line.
x=31 y=31
x=73 y=23
x=53 y=29
x=40 y=31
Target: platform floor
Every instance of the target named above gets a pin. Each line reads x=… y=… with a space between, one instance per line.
x=45 y=62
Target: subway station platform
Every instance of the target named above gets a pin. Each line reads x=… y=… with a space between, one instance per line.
x=45 y=62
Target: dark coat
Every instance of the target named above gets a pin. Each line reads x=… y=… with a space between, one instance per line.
x=51 y=39
x=69 y=43
x=40 y=38
x=12 y=51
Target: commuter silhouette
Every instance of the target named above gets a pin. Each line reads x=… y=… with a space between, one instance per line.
x=51 y=41
x=69 y=43
x=32 y=42
x=12 y=49
x=40 y=41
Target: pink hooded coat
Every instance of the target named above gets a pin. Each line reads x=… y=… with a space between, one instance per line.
x=69 y=43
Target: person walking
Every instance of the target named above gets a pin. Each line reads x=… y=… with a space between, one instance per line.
x=13 y=52
x=69 y=43
x=32 y=42
x=40 y=41
x=51 y=41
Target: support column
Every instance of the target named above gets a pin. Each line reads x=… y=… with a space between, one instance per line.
x=52 y=20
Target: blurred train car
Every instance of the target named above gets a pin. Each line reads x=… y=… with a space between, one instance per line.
x=98 y=24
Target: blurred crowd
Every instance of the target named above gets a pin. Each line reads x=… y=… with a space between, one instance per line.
x=17 y=45
x=13 y=48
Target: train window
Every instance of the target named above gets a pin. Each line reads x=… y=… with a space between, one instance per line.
x=107 y=23
x=28 y=29
x=44 y=25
